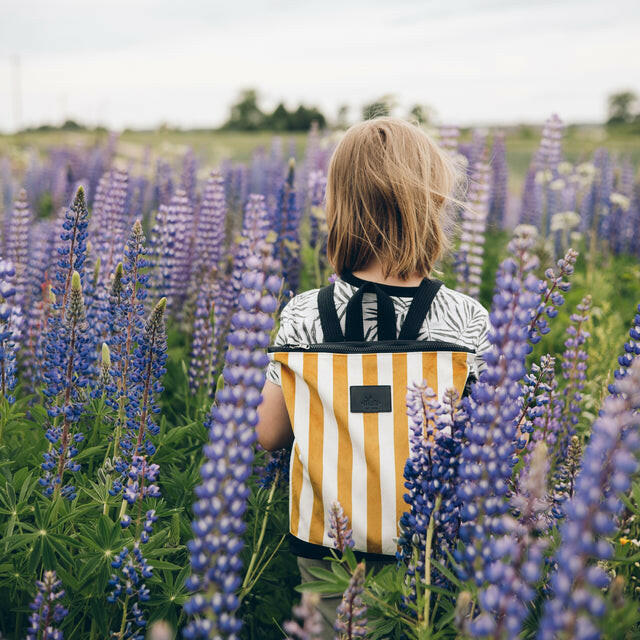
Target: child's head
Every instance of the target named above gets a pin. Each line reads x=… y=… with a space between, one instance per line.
x=388 y=189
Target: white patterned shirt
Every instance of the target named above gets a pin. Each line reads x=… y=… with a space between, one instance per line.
x=453 y=317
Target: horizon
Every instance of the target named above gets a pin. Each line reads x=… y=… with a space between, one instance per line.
x=143 y=64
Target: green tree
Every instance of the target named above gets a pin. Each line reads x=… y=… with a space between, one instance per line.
x=421 y=113
x=342 y=118
x=246 y=115
x=622 y=107
x=380 y=107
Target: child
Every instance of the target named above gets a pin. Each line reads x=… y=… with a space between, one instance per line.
x=389 y=187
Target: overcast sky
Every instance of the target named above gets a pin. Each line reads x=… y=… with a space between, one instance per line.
x=144 y=62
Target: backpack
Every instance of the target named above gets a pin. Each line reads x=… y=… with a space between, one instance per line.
x=346 y=400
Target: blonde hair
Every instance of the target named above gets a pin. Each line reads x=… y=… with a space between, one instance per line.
x=388 y=190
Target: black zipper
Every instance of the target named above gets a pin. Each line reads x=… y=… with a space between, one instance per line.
x=382 y=346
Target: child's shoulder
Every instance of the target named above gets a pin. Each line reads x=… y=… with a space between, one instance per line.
x=453 y=302
x=302 y=305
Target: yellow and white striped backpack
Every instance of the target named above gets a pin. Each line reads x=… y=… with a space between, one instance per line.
x=346 y=400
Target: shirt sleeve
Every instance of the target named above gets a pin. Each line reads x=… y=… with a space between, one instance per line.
x=282 y=337
x=482 y=326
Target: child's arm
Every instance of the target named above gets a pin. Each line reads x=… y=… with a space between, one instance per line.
x=273 y=428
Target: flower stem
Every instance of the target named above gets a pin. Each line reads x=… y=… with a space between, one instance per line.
x=427 y=559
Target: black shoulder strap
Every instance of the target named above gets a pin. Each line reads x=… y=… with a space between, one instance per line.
x=419 y=309
x=386 y=314
x=328 y=315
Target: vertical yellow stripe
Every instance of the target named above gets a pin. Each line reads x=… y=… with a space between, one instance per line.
x=460 y=370
x=288 y=379
x=400 y=429
x=316 y=439
x=341 y=410
x=372 y=460
x=430 y=369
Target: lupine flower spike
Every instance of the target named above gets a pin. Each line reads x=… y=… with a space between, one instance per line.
x=71 y=355
x=610 y=460
x=339 y=530
x=309 y=626
x=351 y=620
x=47 y=610
x=222 y=495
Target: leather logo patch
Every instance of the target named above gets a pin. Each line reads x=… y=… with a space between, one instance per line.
x=370 y=399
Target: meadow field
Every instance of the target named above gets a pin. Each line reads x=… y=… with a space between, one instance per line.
x=142 y=276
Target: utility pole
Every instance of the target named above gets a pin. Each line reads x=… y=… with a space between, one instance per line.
x=17 y=92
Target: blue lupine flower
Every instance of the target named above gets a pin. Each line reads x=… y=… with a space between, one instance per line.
x=129 y=290
x=128 y=584
x=47 y=611
x=631 y=352
x=70 y=358
x=555 y=284
x=351 y=620
x=222 y=495
x=202 y=342
x=574 y=366
x=431 y=474
x=607 y=467
x=73 y=252
x=145 y=372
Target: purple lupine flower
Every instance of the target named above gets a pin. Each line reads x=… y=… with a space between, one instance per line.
x=255 y=229
x=608 y=464
x=173 y=237
x=555 y=284
x=574 y=367
x=449 y=135
x=47 y=610
x=70 y=359
x=163 y=187
x=110 y=222
x=474 y=219
x=18 y=245
x=431 y=471
x=631 y=352
x=339 y=529
x=210 y=231
x=11 y=321
x=202 y=340
x=488 y=456
x=539 y=201
x=189 y=175
x=564 y=479
x=512 y=578
x=310 y=625
x=222 y=495
x=351 y=620
x=499 y=182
